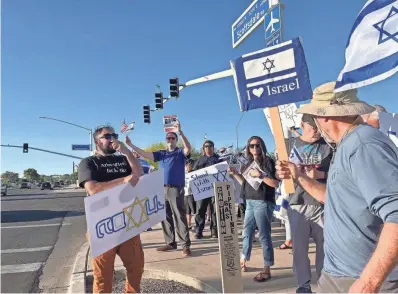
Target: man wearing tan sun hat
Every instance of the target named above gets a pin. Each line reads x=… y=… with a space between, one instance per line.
x=360 y=197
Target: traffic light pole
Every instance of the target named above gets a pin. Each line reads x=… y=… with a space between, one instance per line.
x=43 y=150
x=208 y=78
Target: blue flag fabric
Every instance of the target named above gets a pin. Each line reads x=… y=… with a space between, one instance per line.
x=273 y=76
x=372 y=49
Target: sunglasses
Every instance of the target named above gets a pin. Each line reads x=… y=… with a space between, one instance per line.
x=170 y=138
x=252 y=146
x=208 y=146
x=109 y=136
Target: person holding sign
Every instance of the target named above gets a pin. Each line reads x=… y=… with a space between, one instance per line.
x=305 y=213
x=172 y=161
x=208 y=158
x=360 y=197
x=100 y=172
x=260 y=204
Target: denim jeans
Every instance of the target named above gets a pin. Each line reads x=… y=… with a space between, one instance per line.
x=258 y=212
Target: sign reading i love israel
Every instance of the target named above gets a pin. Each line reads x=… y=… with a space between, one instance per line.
x=273 y=76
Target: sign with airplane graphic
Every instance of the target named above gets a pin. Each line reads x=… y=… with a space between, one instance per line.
x=273 y=26
x=272 y=76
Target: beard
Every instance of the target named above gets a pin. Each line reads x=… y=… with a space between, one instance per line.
x=108 y=150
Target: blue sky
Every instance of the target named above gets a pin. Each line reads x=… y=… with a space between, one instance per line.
x=98 y=61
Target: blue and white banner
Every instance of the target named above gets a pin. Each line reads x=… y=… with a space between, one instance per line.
x=273 y=76
x=372 y=49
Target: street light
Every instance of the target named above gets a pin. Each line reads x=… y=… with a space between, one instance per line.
x=90 y=131
x=237 y=126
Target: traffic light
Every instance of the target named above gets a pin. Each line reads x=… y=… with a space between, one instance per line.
x=25 y=147
x=159 y=100
x=174 y=88
x=147 y=114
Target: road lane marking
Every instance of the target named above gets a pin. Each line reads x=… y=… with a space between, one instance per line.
x=21 y=268
x=35 y=226
x=21 y=250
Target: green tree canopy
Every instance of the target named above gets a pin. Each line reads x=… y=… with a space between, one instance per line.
x=31 y=174
x=9 y=177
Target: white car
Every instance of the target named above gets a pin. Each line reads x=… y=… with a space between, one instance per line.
x=3 y=189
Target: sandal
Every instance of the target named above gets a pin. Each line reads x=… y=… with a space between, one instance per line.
x=284 y=246
x=262 y=277
x=243 y=267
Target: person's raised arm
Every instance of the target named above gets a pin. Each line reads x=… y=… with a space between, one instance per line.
x=135 y=165
x=185 y=142
x=147 y=155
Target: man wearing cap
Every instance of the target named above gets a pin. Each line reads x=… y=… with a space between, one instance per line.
x=208 y=158
x=372 y=119
x=361 y=196
x=172 y=161
x=305 y=213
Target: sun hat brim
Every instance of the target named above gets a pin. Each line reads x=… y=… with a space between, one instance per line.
x=351 y=109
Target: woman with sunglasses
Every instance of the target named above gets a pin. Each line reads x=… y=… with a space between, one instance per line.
x=260 y=205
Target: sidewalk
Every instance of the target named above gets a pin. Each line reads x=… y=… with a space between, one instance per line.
x=204 y=264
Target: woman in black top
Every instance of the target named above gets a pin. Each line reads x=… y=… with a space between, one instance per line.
x=260 y=204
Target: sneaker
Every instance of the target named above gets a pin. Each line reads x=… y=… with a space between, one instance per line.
x=198 y=236
x=150 y=229
x=303 y=290
x=214 y=236
x=167 y=248
x=186 y=252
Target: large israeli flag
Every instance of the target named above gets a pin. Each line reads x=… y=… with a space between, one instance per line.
x=372 y=49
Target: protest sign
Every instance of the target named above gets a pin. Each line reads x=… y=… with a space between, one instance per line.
x=227 y=227
x=288 y=115
x=169 y=122
x=120 y=213
x=252 y=181
x=201 y=181
x=272 y=76
x=389 y=125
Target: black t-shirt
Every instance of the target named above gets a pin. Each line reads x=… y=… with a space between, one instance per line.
x=103 y=168
x=264 y=192
x=318 y=153
x=205 y=161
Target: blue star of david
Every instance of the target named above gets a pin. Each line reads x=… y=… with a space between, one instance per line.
x=268 y=65
x=385 y=35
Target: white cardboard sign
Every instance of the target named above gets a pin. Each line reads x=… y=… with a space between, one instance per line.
x=289 y=117
x=201 y=181
x=389 y=125
x=120 y=213
x=169 y=122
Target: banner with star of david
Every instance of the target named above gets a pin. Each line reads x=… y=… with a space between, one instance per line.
x=272 y=76
x=372 y=49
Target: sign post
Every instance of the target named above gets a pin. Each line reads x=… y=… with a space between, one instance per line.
x=275 y=29
x=231 y=275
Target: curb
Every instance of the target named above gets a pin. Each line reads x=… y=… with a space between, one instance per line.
x=77 y=282
x=170 y=276
x=78 y=278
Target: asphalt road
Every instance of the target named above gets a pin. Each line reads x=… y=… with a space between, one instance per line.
x=41 y=233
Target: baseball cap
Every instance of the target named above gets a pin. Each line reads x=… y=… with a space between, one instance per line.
x=307 y=118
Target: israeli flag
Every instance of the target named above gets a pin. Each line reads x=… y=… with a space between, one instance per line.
x=372 y=49
x=273 y=76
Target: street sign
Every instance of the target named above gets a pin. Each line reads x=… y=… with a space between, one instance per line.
x=248 y=21
x=82 y=147
x=272 y=26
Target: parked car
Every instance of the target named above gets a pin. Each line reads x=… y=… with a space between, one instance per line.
x=24 y=185
x=57 y=185
x=3 y=189
x=46 y=186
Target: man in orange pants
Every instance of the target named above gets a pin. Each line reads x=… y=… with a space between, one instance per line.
x=100 y=172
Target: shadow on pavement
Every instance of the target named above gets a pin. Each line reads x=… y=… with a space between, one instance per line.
x=32 y=215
